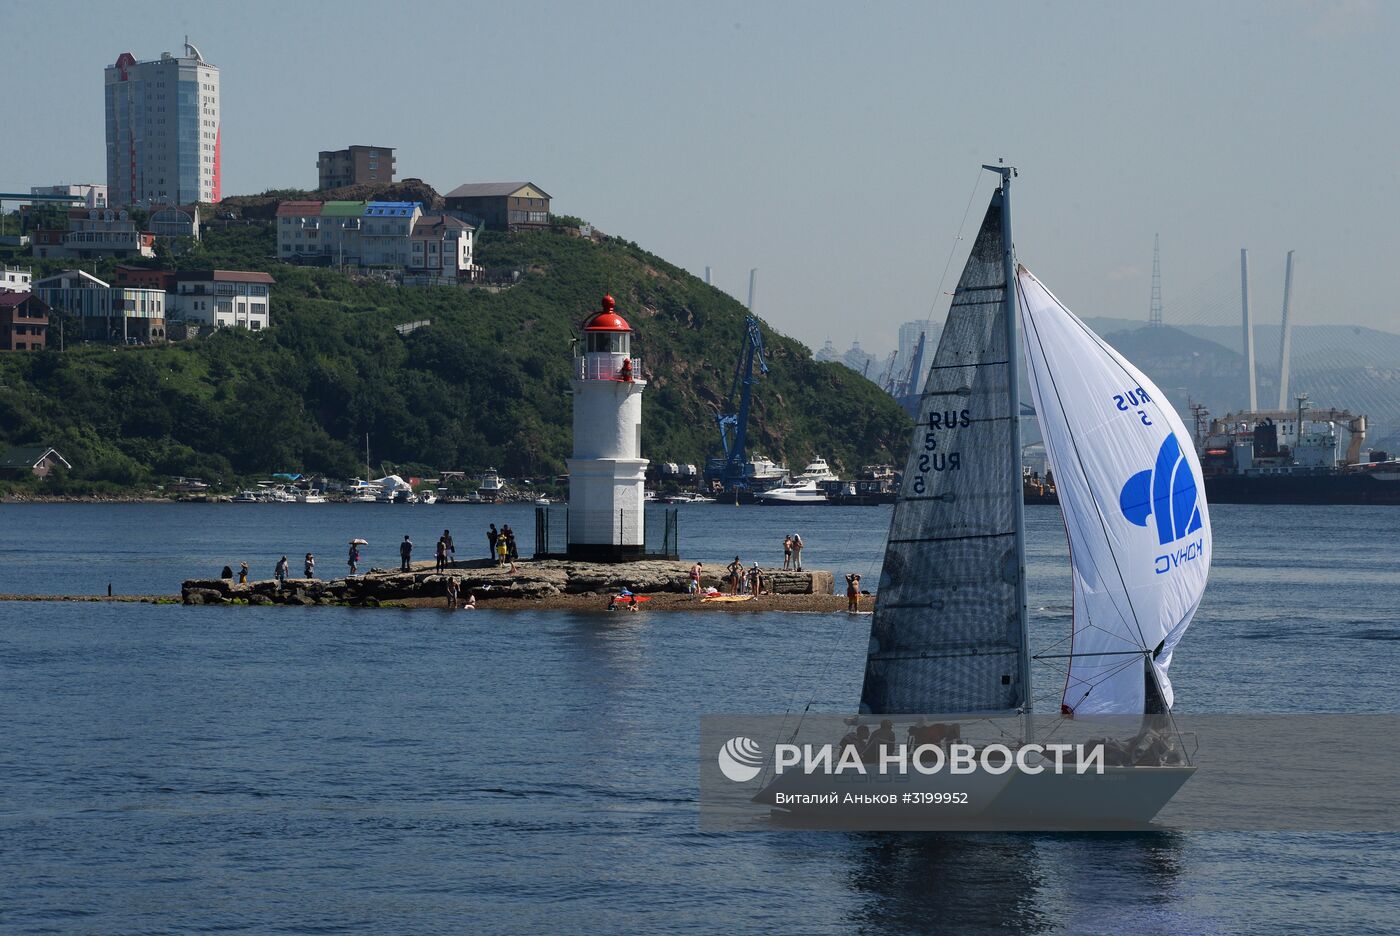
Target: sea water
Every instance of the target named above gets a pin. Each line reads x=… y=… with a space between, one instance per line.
x=275 y=769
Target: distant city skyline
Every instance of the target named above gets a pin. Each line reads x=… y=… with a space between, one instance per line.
x=833 y=148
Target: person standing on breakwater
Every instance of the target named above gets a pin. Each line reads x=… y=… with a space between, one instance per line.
x=310 y=566
x=755 y=580
x=509 y=534
x=451 y=549
x=797 y=551
x=280 y=571
x=787 y=552
x=354 y=560
x=452 y=593
x=694 y=586
x=502 y=551
x=853 y=592
x=491 y=537
x=736 y=575
x=406 y=554
x=441 y=555
x=243 y=573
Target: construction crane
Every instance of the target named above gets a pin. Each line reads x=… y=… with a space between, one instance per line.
x=887 y=381
x=733 y=426
x=909 y=380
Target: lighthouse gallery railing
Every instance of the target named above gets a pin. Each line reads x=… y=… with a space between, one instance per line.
x=597 y=365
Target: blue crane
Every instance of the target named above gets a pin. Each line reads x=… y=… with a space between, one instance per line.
x=733 y=427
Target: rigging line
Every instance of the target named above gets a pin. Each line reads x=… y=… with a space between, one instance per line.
x=954 y=249
x=1084 y=471
x=1100 y=679
x=836 y=645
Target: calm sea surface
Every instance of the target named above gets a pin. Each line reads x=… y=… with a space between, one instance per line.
x=324 y=770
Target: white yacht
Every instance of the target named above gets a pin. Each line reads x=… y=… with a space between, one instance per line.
x=361 y=491
x=807 y=489
x=492 y=487
x=817 y=470
x=761 y=471
x=805 y=492
x=246 y=497
x=311 y=496
x=428 y=497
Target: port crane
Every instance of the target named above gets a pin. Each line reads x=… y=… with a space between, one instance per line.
x=909 y=381
x=733 y=426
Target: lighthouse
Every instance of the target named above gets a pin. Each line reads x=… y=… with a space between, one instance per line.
x=607 y=473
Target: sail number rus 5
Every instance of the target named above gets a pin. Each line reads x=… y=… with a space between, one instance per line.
x=932 y=458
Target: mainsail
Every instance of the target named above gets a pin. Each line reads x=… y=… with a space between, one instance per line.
x=1129 y=485
x=947 y=635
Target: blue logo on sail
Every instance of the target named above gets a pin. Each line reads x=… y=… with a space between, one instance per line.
x=1167 y=492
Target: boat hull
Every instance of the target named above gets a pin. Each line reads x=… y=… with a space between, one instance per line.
x=1339 y=488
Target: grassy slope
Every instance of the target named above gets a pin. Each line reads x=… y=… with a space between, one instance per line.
x=486 y=384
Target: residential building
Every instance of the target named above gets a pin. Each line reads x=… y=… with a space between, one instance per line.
x=15 y=279
x=24 y=322
x=145 y=278
x=355 y=165
x=163 y=131
x=385 y=233
x=324 y=232
x=504 y=206
x=223 y=298
x=124 y=314
x=92 y=194
x=94 y=232
x=37 y=460
x=175 y=221
x=347 y=233
x=441 y=249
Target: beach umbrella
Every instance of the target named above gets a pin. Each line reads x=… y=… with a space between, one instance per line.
x=359 y=542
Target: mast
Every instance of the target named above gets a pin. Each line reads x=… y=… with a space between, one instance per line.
x=1013 y=392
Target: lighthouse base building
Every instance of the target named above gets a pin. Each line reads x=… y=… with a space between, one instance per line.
x=606 y=516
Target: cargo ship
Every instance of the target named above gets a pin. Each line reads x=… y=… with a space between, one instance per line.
x=1293 y=457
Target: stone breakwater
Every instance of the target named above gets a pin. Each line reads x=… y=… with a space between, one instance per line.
x=531 y=581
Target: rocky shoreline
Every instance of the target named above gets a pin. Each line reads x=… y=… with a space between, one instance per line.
x=533 y=584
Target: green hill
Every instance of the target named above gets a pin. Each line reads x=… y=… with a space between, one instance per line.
x=486 y=384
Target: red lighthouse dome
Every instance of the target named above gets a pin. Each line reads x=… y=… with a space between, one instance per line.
x=606 y=320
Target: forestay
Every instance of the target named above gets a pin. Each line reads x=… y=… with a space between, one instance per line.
x=1129 y=485
x=946 y=635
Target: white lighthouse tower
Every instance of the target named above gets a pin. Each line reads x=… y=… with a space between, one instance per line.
x=607 y=495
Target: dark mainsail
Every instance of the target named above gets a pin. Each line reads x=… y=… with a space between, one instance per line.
x=947 y=633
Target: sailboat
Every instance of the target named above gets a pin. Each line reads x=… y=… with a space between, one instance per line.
x=950 y=634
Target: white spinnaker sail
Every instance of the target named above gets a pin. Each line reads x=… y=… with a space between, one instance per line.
x=1130 y=489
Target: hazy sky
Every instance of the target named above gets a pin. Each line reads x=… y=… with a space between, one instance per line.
x=834 y=146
